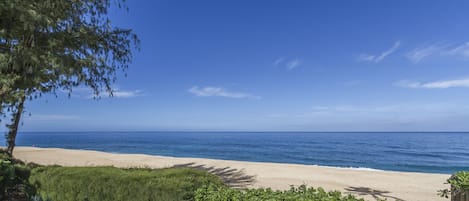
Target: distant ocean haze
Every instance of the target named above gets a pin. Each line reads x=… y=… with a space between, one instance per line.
x=412 y=152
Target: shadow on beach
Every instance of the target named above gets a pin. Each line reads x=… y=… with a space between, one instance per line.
x=230 y=176
x=377 y=194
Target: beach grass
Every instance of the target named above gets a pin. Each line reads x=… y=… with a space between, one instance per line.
x=110 y=183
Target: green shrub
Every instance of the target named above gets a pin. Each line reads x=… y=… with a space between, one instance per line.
x=302 y=193
x=459 y=184
x=14 y=183
x=114 y=184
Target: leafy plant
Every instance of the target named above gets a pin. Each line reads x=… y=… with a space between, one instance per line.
x=14 y=183
x=301 y=193
x=459 y=184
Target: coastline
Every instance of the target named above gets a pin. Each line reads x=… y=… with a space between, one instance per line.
x=369 y=184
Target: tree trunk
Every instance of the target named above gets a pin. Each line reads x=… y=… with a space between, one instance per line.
x=13 y=127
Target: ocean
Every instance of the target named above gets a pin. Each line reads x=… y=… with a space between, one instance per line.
x=436 y=152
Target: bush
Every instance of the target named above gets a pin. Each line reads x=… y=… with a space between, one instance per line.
x=459 y=184
x=114 y=184
x=302 y=193
x=14 y=183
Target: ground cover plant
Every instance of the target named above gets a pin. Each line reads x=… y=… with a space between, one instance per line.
x=301 y=193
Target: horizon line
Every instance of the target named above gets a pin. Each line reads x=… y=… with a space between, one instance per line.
x=238 y=131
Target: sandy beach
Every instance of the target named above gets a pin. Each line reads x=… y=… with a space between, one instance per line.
x=369 y=184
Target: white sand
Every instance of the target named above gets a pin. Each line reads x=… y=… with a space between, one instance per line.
x=365 y=183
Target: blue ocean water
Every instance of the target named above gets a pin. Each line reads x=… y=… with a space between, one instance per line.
x=413 y=152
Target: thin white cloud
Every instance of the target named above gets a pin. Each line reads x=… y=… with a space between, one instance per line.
x=126 y=94
x=288 y=64
x=353 y=108
x=438 y=49
x=219 y=92
x=366 y=57
x=293 y=64
x=388 y=110
x=444 y=84
x=278 y=61
x=380 y=57
x=421 y=53
x=461 y=50
x=52 y=117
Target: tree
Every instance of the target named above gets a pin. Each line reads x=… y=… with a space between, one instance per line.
x=52 y=45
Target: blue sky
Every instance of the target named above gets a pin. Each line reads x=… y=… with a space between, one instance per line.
x=281 y=66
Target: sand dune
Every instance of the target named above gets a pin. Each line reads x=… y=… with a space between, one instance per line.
x=365 y=183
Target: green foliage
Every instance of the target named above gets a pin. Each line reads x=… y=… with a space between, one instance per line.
x=459 y=183
x=302 y=193
x=14 y=184
x=114 y=184
x=49 y=45
x=7 y=176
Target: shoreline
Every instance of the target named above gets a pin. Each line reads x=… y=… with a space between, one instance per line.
x=182 y=157
x=366 y=183
x=250 y=161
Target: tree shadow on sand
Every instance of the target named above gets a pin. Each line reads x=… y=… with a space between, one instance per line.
x=377 y=194
x=230 y=176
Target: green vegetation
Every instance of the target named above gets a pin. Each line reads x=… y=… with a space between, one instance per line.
x=459 y=184
x=14 y=183
x=19 y=181
x=302 y=193
x=52 y=45
x=114 y=184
